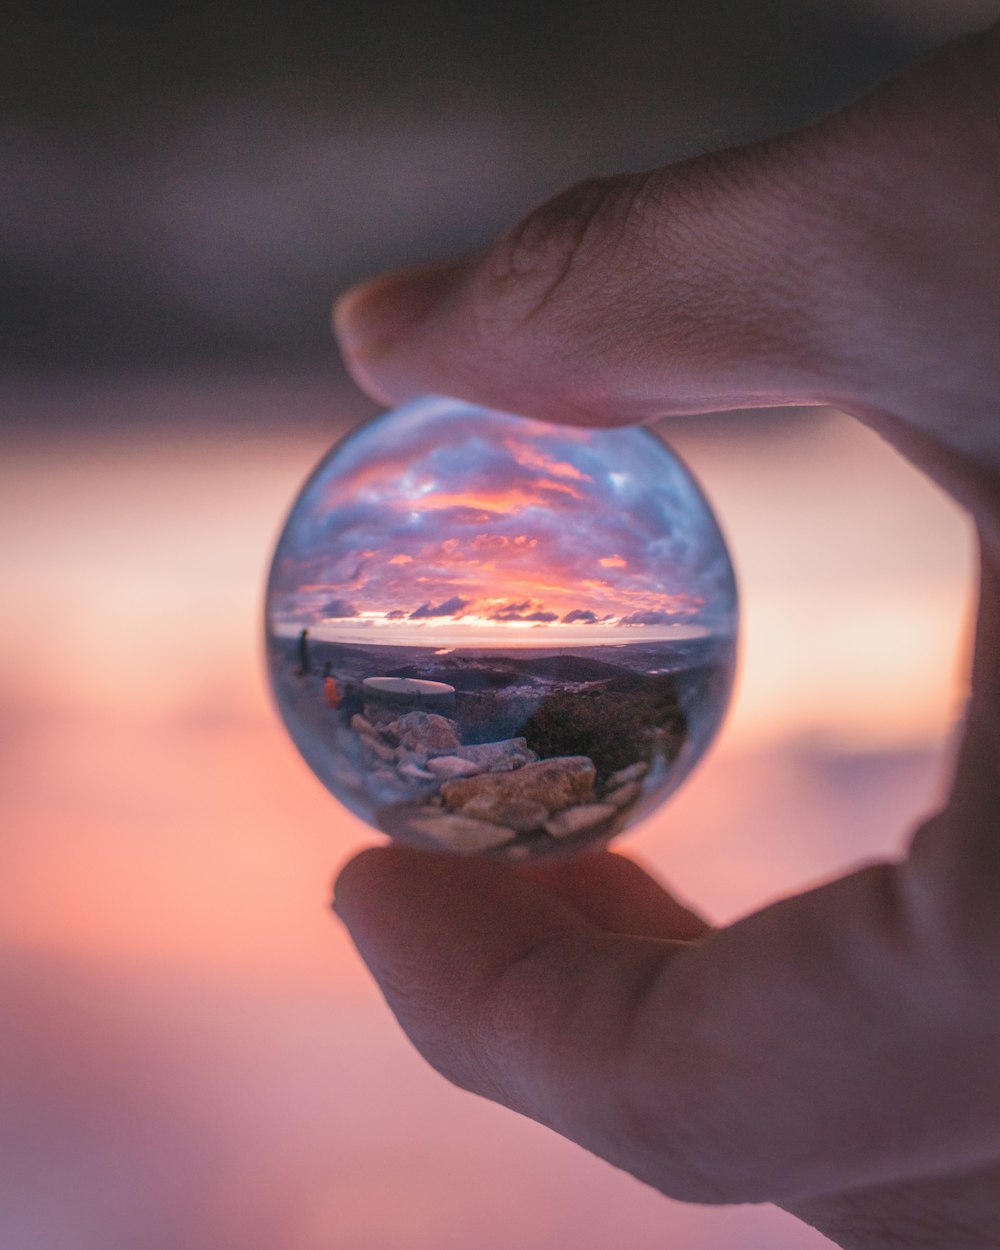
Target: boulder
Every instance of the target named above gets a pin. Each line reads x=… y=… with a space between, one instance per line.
x=427 y=732
x=458 y=833
x=498 y=757
x=525 y=797
x=451 y=766
x=579 y=819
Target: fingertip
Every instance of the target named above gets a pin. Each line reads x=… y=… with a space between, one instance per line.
x=397 y=901
x=370 y=319
x=345 y=875
x=369 y=873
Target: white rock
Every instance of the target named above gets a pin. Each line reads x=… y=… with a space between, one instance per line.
x=521 y=815
x=498 y=757
x=451 y=766
x=362 y=725
x=634 y=772
x=426 y=731
x=624 y=795
x=459 y=833
x=414 y=773
x=578 y=819
x=376 y=747
x=405 y=756
x=517 y=851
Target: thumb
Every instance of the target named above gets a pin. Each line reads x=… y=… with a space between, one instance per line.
x=622 y=299
x=829 y=1042
x=818 y=267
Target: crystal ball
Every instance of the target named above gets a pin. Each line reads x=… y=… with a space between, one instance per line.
x=487 y=634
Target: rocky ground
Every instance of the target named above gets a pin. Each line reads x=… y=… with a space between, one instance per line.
x=532 y=753
x=489 y=796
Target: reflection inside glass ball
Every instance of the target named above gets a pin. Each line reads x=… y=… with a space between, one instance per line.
x=491 y=635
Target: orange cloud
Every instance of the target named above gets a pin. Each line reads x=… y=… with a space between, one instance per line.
x=529 y=458
x=499 y=502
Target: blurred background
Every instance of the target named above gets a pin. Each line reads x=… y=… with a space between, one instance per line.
x=190 y=1053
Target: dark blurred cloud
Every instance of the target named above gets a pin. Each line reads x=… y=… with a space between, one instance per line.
x=527 y=610
x=189 y=185
x=339 y=609
x=647 y=618
x=449 y=607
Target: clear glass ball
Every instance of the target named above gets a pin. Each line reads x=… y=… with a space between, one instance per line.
x=492 y=635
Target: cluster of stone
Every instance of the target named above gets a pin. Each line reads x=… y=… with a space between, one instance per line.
x=485 y=796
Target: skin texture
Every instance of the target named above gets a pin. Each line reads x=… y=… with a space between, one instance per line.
x=837 y=1052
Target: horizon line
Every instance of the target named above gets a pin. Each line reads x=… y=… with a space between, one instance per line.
x=470 y=637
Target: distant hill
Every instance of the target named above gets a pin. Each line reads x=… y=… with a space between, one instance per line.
x=480 y=672
x=477 y=670
x=568 y=668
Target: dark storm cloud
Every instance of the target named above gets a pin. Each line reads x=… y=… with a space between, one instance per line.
x=338 y=609
x=525 y=611
x=449 y=608
x=580 y=616
x=648 y=618
x=511 y=611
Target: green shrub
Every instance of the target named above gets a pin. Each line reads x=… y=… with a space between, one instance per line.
x=615 y=724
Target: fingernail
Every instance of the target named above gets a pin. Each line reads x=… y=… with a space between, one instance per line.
x=371 y=317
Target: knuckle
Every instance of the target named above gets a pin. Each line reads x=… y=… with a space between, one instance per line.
x=566 y=247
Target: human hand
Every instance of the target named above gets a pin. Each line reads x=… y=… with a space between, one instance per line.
x=837 y=1052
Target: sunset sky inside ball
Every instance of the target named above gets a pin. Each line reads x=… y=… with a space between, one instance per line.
x=443 y=521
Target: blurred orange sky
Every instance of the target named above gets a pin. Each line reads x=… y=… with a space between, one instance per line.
x=197 y=1057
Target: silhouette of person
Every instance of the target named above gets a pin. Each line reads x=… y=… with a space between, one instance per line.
x=837 y=1052
x=302 y=650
